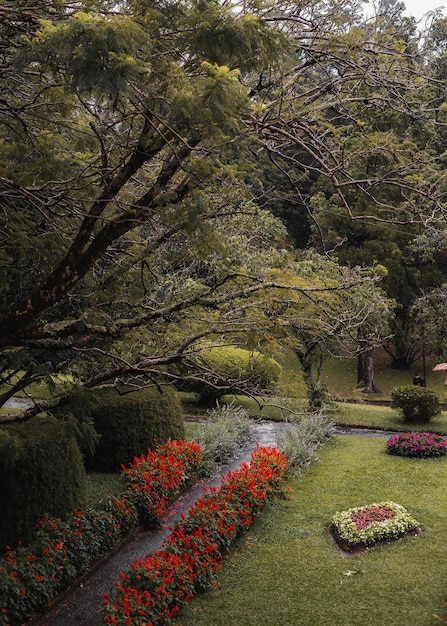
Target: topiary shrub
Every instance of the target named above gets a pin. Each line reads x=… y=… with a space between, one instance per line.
x=131 y=424
x=234 y=365
x=45 y=475
x=416 y=405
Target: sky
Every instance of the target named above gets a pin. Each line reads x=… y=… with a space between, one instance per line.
x=418 y=8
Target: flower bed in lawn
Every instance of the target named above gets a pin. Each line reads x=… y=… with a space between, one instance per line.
x=362 y=527
x=157 y=586
x=417 y=445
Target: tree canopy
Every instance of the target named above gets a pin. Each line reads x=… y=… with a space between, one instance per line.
x=136 y=211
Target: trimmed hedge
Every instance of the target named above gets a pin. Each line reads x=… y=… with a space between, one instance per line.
x=45 y=476
x=235 y=365
x=131 y=424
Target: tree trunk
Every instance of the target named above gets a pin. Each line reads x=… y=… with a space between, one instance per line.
x=365 y=372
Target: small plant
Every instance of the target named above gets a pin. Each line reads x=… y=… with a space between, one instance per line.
x=376 y=522
x=303 y=436
x=415 y=404
x=226 y=431
x=417 y=445
x=153 y=479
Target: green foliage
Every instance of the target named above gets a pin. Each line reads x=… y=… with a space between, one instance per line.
x=94 y=54
x=45 y=476
x=302 y=436
x=234 y=366
x=415 y=404
x=131 y=424
x=226 y=430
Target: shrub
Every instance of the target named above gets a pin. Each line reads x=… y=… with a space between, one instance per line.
x=153 y=479
x=235 y=365
x=44 y=476
x=129 y=425
x=226 y=430
x=415 y=404
x=417 y=445
x=303 y=436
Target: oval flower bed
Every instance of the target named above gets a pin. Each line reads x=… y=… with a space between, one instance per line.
x=371 y=524
x=417 y=445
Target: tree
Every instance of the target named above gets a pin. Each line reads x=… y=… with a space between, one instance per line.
x=356 y=131
x=114 y=126
x=126 y=179
x=326 y=319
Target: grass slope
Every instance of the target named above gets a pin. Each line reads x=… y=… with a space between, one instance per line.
x=287 y=572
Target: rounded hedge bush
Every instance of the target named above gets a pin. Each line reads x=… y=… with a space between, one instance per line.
x=234 y=365
x=416 y=405
x=131 y=424
x=44 y=475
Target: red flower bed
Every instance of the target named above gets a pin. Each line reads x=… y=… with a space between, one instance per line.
x=158 y=586
x=363 y=518
x=154 y=479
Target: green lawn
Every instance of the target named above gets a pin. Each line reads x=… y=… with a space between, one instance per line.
x=287 y=571
x=383 y=417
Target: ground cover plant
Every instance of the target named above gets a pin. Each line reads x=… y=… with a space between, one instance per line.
x=373 y=523
x=288 y=570
x=417 y=444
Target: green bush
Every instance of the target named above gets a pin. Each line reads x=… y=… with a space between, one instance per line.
x=44 y=476
x=416 y=405
x=129 y=425
x=235 y=365
x=226 y=431
x=301 y=438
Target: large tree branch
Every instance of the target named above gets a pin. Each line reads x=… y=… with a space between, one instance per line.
x=79 y=259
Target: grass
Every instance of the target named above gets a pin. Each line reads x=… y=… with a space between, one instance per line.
x=384 y=418
x=100 y=484
x=288 y=571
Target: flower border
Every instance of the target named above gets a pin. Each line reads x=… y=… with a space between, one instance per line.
x=376 y=531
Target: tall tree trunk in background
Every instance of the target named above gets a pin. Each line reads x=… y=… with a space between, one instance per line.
x=365 y=365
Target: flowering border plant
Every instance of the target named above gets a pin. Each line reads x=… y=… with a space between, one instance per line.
x=373 y=523
x=417 y=444
x=153 y=480
x=156 y=587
